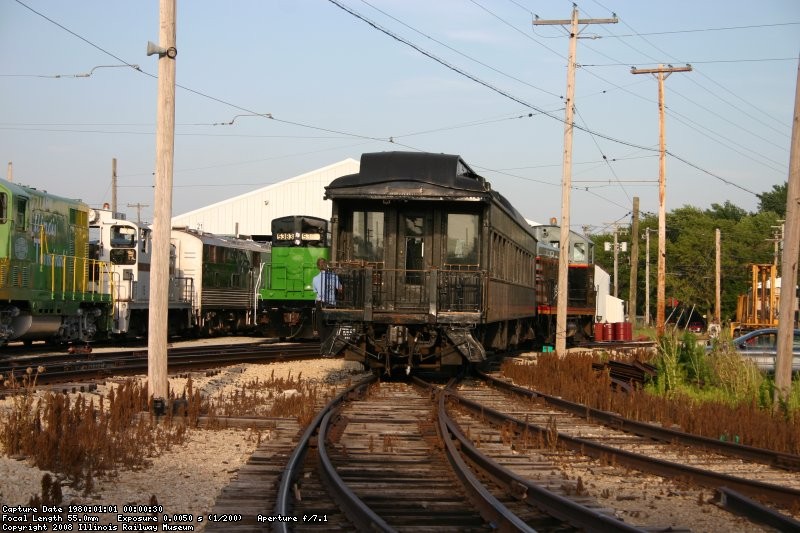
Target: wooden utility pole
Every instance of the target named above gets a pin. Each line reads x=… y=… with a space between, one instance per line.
x=634 y=260
x=661 y=73
x=114 y=185
x=791 y=251
x=647 y=277
x=566 y=173
x=718 y=280
x=162 y=217
x=615 y=247
x=138 y=207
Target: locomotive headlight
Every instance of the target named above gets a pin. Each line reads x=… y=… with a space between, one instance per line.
x=297 y=242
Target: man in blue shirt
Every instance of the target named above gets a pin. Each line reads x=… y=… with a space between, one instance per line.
x=326 y=285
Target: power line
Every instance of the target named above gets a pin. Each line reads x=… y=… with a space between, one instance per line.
x=654 y=60
x=702 y=30
x=461 y=53
x=373 y=138
x=708 y=61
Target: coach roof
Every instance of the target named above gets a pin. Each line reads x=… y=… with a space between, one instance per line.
x=406 y=171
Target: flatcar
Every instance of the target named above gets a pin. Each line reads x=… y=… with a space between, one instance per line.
x=126 y=246
x=225 y=271
x=50 y=288
x=435 y=267
x=581 y=290
x=286 y=298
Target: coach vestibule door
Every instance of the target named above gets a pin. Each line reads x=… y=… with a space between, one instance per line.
x=413 y=234
x=412 y=230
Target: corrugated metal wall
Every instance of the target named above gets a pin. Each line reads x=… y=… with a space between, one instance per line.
x=254 y=211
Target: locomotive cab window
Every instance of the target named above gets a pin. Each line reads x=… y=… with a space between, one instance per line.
x=144 y=238
x=462 y=240
x=579 y=252
x=368 y=236
x=123 y=237
x=123 y=256
x=3 y=208
x=22 y=205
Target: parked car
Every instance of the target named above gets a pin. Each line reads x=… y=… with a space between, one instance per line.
x=760 y=346
x=696 y=326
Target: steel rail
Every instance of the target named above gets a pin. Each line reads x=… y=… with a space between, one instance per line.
x=781 y=495
x=786 y=461
x=549 y=502
x=178 y=358
x=492 y=509
x=754 y=511
x=356 y=510
x=295 y=464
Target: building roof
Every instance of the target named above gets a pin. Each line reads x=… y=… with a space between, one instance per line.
x=251 y=213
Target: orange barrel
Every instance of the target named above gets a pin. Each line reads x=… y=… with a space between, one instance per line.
x=608 y=332
x=627 y=331
x=598 y=332
x=617 y=331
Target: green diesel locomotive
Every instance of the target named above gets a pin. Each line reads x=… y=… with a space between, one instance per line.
x=287 y=299
x=50 y=288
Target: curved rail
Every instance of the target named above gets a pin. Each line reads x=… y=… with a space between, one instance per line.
x=781 y=495
x=355 y=509
x=295 y=463
x=553 y=504
x=490 y=507
x=750 y=453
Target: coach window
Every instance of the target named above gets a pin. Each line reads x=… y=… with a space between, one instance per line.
x=144 y=238
x=462 y=239
x=368 y=236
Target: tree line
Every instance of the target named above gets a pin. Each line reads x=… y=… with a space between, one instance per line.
x=746 y=238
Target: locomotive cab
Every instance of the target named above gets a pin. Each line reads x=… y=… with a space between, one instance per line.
x=126 y=247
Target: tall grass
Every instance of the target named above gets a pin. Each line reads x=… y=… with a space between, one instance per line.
x=717 y=395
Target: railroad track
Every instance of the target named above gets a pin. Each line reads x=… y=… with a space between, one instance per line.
x=395 y=460
x=61 y=368
x=396 y=457
x=741 y=475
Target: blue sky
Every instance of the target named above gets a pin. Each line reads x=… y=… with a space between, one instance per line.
x=337 y=87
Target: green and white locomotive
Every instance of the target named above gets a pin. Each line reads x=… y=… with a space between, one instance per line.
x=287 y=300
x=50 y=287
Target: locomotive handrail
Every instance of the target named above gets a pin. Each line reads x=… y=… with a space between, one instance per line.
x=78 y=286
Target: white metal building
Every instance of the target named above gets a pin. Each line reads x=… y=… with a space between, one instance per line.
x=251 y=213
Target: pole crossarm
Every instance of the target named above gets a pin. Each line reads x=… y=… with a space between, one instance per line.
x=669 y=69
